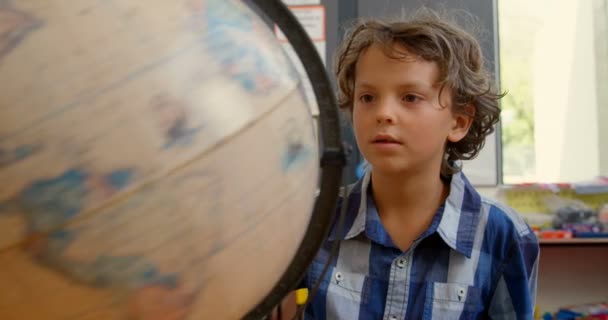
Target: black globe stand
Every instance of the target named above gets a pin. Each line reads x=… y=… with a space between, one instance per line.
x=332 y=153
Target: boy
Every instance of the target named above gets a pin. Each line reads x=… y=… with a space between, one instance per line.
x=418 y=241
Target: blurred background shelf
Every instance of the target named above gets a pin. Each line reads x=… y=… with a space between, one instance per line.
x=575 y=241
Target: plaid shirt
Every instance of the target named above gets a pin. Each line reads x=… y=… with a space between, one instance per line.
x=478 y=259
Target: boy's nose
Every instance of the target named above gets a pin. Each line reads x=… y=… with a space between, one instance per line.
x=385 y=113
x=388 y=120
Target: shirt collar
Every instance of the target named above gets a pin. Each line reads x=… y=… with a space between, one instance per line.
x=458 y=221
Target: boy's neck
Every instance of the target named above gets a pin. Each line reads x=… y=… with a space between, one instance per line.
x=408 y=191
x=411 y=199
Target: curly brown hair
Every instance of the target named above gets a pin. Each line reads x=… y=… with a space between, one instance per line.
x=461 y=68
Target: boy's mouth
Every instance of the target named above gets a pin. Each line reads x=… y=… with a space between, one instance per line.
x=385 y=139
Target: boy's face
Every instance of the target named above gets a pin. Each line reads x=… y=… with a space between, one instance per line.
x=401 y=123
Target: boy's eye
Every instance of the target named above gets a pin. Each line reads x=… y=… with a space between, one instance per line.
x=366 y=98
x=410 y=98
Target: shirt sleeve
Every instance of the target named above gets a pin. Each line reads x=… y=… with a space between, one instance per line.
x=515 y=294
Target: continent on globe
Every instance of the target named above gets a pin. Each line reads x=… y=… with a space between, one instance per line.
x=14 y=26
x=10 y=156
x=52 y=202
x=297 y=151
x=242 y=59
x=173 y=121
x=48 y=205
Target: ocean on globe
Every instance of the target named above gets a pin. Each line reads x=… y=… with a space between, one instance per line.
x=157 y=160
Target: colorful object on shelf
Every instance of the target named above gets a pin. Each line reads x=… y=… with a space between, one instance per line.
x=592 y=311
x=529 y=198
x=562 y=211
x=591 y=235
x=602 y=216
x=582 y=228
x=554 y=234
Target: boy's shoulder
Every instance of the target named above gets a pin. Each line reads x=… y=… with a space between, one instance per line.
x=506 y=215
x=506 y=225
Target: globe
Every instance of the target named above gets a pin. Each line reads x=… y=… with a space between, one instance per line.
x=158 y=160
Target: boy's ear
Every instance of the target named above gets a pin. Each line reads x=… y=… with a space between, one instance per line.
x=461 y=123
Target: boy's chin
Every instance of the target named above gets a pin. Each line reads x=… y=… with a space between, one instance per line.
x=400 y=168
x=387 y=167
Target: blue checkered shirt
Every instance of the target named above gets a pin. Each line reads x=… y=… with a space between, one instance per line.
x=477 y=260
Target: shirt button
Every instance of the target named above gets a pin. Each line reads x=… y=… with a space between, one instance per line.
x=401 y=262
x=461 y=293
x=393 y=318
x=339 y=276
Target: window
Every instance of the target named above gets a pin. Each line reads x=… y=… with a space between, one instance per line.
x=554 y=65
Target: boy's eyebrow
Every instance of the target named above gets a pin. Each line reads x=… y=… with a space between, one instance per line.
x=363 y=85
x=404 y=85
x=413 y=85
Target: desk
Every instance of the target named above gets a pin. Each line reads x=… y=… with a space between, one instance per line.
x=572 y=271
